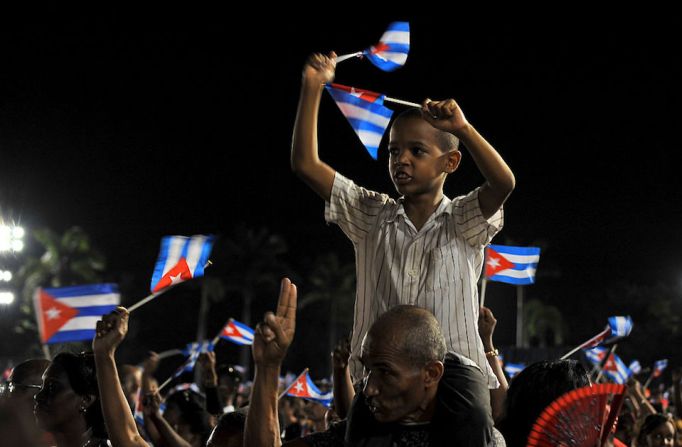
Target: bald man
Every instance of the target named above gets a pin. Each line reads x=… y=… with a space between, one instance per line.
x=405 y=399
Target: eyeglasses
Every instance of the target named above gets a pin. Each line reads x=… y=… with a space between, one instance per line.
x=11 y=387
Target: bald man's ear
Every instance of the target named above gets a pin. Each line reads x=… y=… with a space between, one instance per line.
x=432 y=372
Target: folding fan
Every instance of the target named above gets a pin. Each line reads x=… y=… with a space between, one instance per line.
x=582 y=417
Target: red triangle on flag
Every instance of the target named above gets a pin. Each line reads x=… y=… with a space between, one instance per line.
x=610 y=364
x=230 y=329
x=495 y=262
x=53 y=314
x=179 y=273
x=299 y=388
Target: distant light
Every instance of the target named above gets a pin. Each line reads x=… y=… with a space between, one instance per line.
x=6 y=276
x=18 y=232
x=6 y=297
x=17 y=245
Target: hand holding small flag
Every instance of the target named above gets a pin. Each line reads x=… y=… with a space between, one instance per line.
x=110 y=331
x=274 y=335
x=445 y=115
x=319 y=69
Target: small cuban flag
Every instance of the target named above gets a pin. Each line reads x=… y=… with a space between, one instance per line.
x=635 y=367
x=67 y=314
x=659 y=366
x=391 y=51
x=192 y=352
x=305 y=388
x=237 y=332
x=512 y=369
x=180 y=258
x=620 y=326
x=365 y=112
x=512 y=265
x=614 y=368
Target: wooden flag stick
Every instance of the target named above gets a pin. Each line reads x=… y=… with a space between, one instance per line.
x=344 y=57
x=400 y=101
x=484 y=283
x=587 y=343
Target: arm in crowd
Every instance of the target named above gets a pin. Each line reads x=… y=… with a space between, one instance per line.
x=343 y=384
x=209 y=382
x=272 y=339
x=486 y=328
x=110 y=332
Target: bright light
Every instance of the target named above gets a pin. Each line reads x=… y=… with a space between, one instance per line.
x=18 y=233
x=6 y=297
x=5 y=276
x=11 y=238
x=17 y=245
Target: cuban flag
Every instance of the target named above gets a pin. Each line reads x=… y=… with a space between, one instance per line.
x=365 y=112
x=512 y=369
x=192 y=351
x=237 y=332
x=659 y=366
x=620 y=326
x=513 y=265
x=614 y=368
x=305 y=388
x=67 y=314
x=635 y=367
x=180 y=258
x=391 y=51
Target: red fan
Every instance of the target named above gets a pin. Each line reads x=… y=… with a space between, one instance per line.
x=580 y=418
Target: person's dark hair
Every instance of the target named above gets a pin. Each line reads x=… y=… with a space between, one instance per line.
x=533 y=390
x=424 y=341
x=27 y=368
x=192 y=411
x=446 y=140
x=651 y=423
x=81 y=372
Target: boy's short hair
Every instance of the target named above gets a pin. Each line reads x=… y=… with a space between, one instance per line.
x=446 y=141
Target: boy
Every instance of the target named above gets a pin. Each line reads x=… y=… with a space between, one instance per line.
x=422 y=249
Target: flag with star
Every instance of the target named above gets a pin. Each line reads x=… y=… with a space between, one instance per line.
x=305 y=388
x=237 y=332
x=192 y=351
x=393 y=47
x=67 y=314
x=614 y=368
x=511 y=265
x=512 y=369
x=659 y=366
x=365 y=112
x=180 y=258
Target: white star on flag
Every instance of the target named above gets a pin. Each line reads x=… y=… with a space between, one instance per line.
x=355 y=93
x=494 y=262
x=175 y=279
x=52 y=313
x=299 y=387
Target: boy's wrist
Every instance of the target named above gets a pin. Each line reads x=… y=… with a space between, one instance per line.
x=463 y=133
x=311 y=84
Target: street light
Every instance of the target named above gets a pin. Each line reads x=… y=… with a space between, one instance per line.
x=5 y=275
x=11 y=238
x=6 y=297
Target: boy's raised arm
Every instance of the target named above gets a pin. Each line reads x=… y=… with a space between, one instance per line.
x=500 y=182
x=318 y=70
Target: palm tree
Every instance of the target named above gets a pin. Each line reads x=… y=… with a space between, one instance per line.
x=250 y=265
x=543 y=323
x=333 y=283
x=67 y=260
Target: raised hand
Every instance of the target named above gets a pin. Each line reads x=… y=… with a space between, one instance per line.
x=274 y=335
x=110 y=331
x=319 y=68
x=444 y=115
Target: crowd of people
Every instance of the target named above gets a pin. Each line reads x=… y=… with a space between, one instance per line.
x=420 y=369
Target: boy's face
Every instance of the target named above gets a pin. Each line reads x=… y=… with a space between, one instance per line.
x=416 y=162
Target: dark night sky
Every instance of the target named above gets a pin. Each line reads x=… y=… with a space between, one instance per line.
x=134 y=129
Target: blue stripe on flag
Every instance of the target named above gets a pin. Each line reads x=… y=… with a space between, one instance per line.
x=94 y=311
x=367 y=126
x=397 y=48
x=203 y=259
x=517 y=266
x=515 y=281
x=398 y=26
x=85 y=290
x=68 y=336
x=523 y=251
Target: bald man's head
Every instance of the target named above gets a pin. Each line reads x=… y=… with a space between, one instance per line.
x=413 y=331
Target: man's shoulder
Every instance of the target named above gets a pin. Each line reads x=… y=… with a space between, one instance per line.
x=332 y=437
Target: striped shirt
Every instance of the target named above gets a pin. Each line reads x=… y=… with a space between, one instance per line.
x=436 y=268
